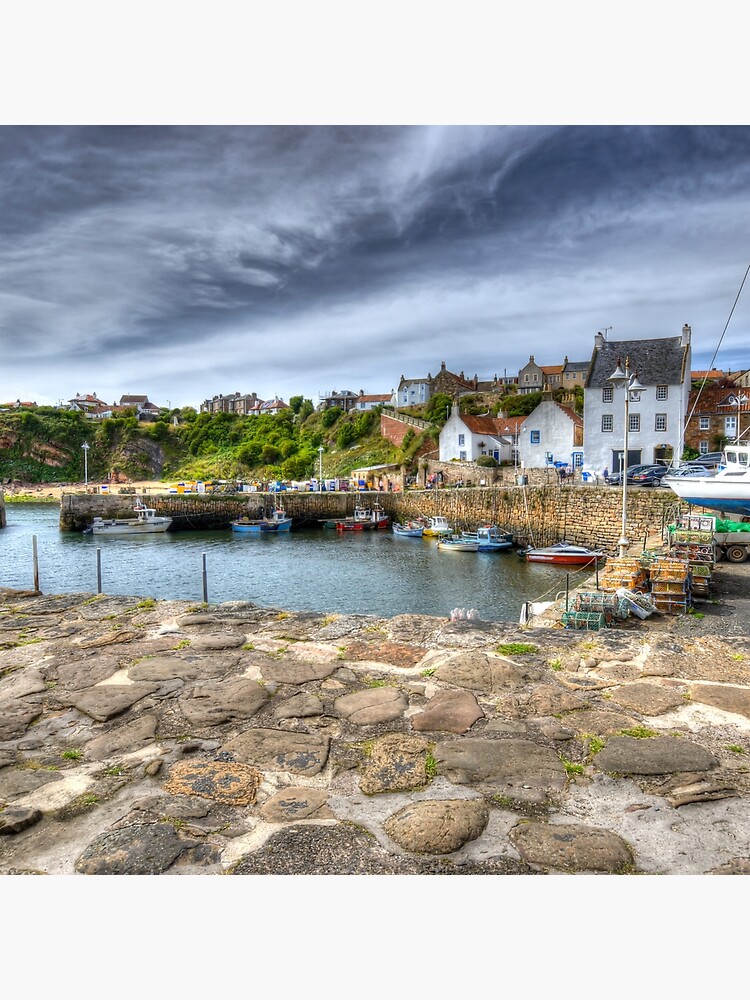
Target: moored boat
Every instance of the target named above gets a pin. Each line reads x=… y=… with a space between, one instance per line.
x=145 y=522
x=454 y=543
x=563 y=554
x=277 y=521
x=412 y=529
x=490 y=538
x=727 y=491
x=364 y=519
x=437 y=526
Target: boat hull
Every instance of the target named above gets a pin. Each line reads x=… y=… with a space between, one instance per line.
x=713 y=493
x=130 y=528
x=448 y=545
x=558 y=559
x=262 y=527
x=402 y=532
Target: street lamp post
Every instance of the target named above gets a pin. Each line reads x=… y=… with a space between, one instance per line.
x=85 y=447
x=320 y=458
x=629 y=381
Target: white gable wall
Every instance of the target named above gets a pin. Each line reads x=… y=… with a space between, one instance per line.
x=546 y=429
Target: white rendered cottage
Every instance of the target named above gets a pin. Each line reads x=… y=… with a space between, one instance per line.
x=551 y=434
x=656 y=412
x=468 y=438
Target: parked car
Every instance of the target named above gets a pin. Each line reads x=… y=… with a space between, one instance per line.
x=711 y=460
x=651 y=475
x=615 y=478
x=691 y=470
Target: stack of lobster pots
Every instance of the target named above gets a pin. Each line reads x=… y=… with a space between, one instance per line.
x=671 y=585
x=625 y=572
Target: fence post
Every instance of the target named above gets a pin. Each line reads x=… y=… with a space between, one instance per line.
x=98 y=571
x=36 y=562
x=205 y=581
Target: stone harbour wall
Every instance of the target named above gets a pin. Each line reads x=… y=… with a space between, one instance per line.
x=540 y=515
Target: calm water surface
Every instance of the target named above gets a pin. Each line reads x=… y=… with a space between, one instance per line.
x=369 y=572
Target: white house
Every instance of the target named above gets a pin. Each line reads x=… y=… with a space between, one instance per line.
x=370 y=401
x=656 y=412
x=468 y=438
x=552 y=433
x=413 y=391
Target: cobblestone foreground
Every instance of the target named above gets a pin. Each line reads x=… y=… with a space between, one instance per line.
x=143 y=737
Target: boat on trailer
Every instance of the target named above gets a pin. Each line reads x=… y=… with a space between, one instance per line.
x=727 y=491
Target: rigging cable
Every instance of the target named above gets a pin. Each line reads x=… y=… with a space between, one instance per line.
x=711 y=364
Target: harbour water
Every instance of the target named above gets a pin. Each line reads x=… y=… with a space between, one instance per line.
x=370 y=572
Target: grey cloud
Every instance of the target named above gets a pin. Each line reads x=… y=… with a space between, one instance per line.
x=174 y=255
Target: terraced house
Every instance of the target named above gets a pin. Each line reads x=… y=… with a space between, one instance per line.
x=656 y=412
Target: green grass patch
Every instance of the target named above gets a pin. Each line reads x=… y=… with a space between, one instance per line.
x=638 y=733
x=570 y=767
x=516 y=648
x=73 y=754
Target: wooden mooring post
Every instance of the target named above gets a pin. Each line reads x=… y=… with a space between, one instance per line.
x=36 y=563
x=205 y=581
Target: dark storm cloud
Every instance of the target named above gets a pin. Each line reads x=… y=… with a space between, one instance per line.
x=186 y=261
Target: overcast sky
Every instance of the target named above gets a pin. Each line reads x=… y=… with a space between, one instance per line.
x=182 y=262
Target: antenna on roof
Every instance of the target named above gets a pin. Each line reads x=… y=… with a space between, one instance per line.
x=604 y=331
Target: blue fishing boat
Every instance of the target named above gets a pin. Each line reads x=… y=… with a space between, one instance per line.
x=278 y=521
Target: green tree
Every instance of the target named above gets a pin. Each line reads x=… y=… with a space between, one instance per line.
x=437 y=409
x=331 y=416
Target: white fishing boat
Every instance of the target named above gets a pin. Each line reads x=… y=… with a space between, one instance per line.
x=727 y=491
x=437 y=526
x=412 y=529
x=454 y=543
x=145 y=522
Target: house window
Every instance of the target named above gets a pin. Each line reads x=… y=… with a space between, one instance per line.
x=660 y=422
x=462 y=456
x=607 y=394
x=535 y=437
x=526 y=378
x=634 y=422
x=662 y=392
x=704 y=423
x=577 y=459
x=730 y=426
x=607 y=423
x=703 y=447
x=461 y=440
x=536 y=377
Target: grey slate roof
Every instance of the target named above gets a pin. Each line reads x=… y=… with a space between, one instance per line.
x=657 y=362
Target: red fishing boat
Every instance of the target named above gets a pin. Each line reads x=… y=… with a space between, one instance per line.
x=564 y=554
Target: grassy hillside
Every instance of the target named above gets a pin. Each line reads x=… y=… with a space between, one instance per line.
x=46 y=445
